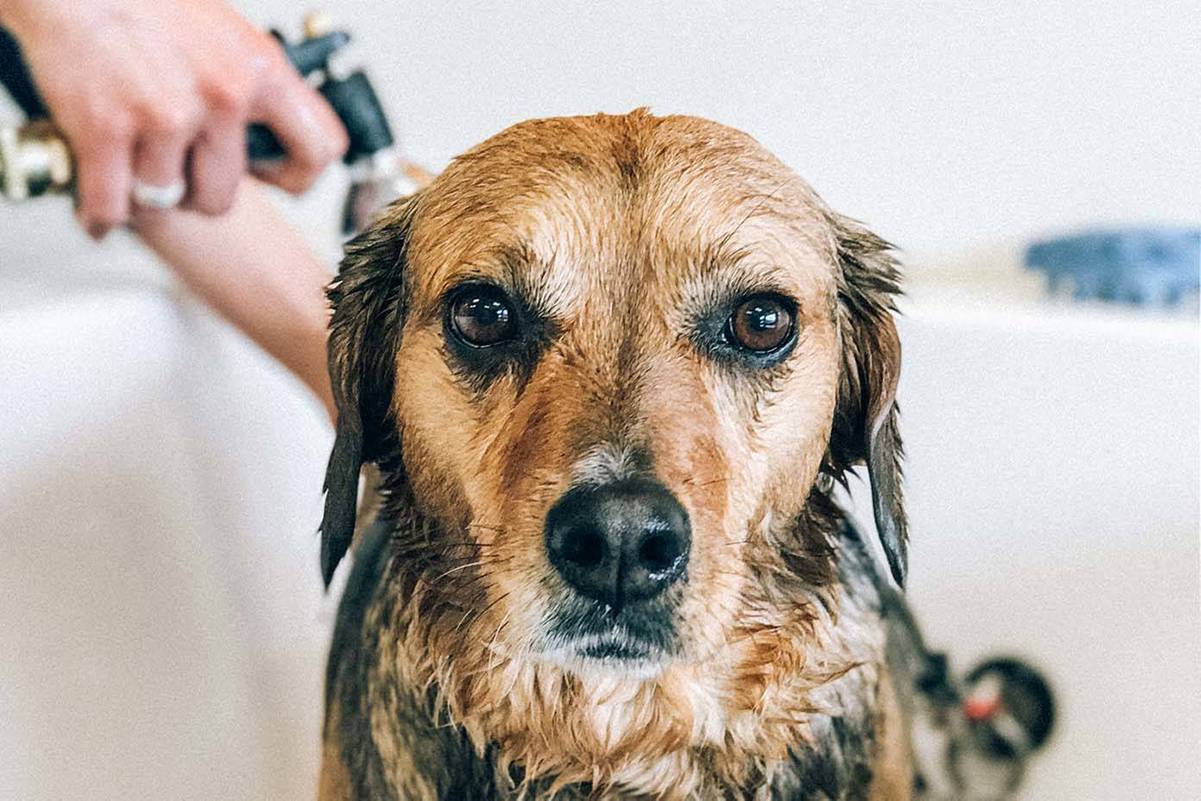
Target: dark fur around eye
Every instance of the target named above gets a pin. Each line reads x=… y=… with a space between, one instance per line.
x=755 y=330
x=489 y=333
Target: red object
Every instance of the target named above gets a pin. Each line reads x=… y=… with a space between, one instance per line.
x=979 y=708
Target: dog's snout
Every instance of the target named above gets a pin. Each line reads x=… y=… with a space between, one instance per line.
x=619 y=543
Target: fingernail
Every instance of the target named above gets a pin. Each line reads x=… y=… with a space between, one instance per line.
x=97 y=230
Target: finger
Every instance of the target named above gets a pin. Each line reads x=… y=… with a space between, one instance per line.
x=310 y=132
x=103 y=184
x=158 y=162
x=217 y=163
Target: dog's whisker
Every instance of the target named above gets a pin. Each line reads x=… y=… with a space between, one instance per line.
x=481 y=613
x=492 y=661
x=466 y=563
x=456 y=569
x=693 y=484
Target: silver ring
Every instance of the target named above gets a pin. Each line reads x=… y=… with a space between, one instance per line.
x=158 y=197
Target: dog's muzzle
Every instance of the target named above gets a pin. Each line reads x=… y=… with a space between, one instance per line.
x=620 y=548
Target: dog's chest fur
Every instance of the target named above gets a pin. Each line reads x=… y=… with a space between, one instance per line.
x=391 y=736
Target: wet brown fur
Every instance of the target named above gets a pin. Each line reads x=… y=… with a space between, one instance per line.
x=619 y=226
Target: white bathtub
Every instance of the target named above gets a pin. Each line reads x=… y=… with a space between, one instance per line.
x=163 y=625
x=1053 y=491
x=162 y=618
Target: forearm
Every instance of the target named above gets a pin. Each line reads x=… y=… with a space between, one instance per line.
x=258 y=273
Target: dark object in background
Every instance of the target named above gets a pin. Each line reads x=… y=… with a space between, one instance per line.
x=15 y=77
x=1009 y=687
x=1140 y=266
x=972 y=739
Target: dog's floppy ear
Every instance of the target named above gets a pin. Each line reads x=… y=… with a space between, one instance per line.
x=367 y=299
x=865 y=420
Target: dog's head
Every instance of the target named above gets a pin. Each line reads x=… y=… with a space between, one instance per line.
x=609 y=366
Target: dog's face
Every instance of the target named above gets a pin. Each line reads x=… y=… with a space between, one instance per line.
x=606 y=359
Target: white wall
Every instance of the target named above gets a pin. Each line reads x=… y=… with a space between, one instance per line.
x=952 y=127
x=958 y=130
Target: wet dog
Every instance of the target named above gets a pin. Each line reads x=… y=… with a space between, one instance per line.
x=610 y=369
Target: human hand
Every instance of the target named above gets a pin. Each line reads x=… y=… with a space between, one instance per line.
x=159 y=93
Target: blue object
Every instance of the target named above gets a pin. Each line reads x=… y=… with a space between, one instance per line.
x=1142 y=266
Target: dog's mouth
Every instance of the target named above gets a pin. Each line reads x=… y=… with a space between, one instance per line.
x=635 y=639
x=616 y=655
x=613 y=650
x=616 y=649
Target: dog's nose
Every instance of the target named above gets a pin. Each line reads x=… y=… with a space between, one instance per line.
x=619 y=543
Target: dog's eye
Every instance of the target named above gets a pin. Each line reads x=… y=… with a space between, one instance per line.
x=760 y=324
x=483 y=316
